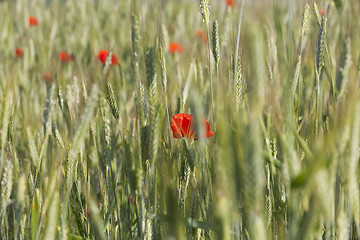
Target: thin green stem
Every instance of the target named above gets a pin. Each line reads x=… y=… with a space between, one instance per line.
x=218 y=76
x=168 y=119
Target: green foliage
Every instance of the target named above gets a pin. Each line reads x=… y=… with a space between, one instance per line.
x=89 y=153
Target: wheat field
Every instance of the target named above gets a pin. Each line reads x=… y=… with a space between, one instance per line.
x=179 y=119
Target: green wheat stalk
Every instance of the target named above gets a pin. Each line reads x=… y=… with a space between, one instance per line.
x=5 y=117
x=110 y=97
x=150 y=60
x=240 y=85
x=344 y=67
x=205 y=12
x=216 y=49
x=303 y=41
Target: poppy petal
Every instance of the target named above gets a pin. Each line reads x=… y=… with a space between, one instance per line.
x=102 y=55
x=176 y=125
x=187 y=126
x=182 y=125
x=114 y=60
x=33 y=21
x=176 y=47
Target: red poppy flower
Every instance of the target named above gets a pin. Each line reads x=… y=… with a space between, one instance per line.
x=33 y=21
x=102 y=55
x=131 y=199
x=66 y=57
x=176 y=47
x=199 y=33
x=182 y=125
x=230 y=3
x=321 y=12
x=47 y=77
x=19 y=52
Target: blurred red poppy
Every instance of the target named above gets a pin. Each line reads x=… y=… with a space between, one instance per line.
x=66 y=57
x=33 y=21
x=102 y=55
x=47 y=77
x=230 y=3
x=182 y=125
x=206 y=38
x=131 y=199
x=321 y=12
x=176 y=47
x=199 y=33
x=19 y=52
